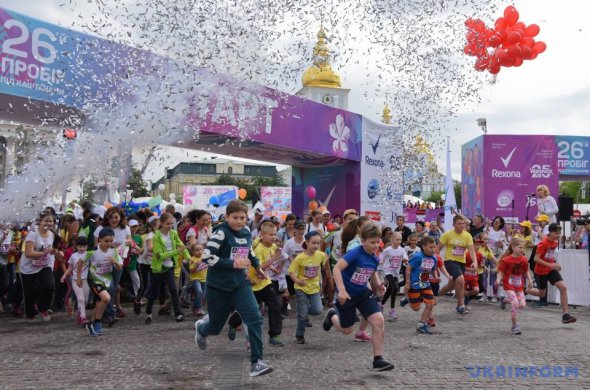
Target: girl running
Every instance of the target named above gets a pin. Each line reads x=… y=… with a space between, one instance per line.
x=78 y=268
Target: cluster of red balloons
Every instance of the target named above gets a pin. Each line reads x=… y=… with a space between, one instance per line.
x=508 y=44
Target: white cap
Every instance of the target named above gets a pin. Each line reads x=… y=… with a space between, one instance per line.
x=133 y=222
x=150 y=219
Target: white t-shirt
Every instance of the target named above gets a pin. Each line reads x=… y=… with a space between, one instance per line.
x=167 y=263
x=32 y=266
x=101 y=269
x=392 y=259
x=146 y=256
x=290 y=251
x=202 y=237
x=74 y=258
x=410 y=252
x=494 y=237
x=121 y=235
x=311 y=228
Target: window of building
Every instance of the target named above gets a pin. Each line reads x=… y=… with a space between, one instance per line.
x=230 y=170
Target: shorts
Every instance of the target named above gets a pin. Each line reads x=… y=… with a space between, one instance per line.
x=97 y=288
x=435 y=287
x=552 y=277
x=471 y=284
x=366 y=303
x=416 y=297
x=455 y=268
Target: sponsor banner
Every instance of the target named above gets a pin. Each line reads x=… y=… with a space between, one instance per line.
x=472 y=179
x=381 y=173
x=276 y=201
x=197 y=197
x=573 y=155
x=424 y=215
x=514 y=165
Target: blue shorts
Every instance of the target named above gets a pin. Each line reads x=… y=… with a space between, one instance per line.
x=365 y=303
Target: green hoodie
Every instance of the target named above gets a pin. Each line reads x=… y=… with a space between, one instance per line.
x=160 y=253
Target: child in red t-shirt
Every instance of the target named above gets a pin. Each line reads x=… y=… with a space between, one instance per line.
x=471 y=275
x=547 y=269
x=512 y=271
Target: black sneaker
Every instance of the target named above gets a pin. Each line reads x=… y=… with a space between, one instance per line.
x=308 y=323
x=90 y=329
x=568 y=319
x=137 y=307
x=164 y=311
x=382 y=365
x=300 y=339
x=404 y=302
x=327 y=325
x=180 y=318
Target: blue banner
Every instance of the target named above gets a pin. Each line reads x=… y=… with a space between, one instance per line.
x=573 y=156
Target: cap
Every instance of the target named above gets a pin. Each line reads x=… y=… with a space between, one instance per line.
x=554 y=227
x=527 y=224
x=349 y=211
x=326 y=212
x=299 y=224
x=133 y=222
x=150 y=219
x=542 y=218
x=258 y=211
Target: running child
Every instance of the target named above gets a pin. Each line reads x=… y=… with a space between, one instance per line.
x=471 y=272
x=100 y=266
x=547 y=269
x=229 y=256
x=305 y=271
x=268 y=253
x=78 y=268
x=512 y=271
x=392 y=258
x=198 y=277
x=418 y=290
x=351 y=274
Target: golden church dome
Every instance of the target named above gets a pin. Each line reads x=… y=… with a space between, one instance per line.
x=386 y=117
x=320 y=73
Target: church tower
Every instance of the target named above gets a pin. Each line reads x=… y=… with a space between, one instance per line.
x=386 y=117
x=320 y=83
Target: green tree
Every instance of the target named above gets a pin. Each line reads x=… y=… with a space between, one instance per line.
x=435 y=196
x=137 y=185
x=457 y=188
x=571 y=189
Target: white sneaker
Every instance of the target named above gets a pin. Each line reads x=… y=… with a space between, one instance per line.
x=261 y=367
x=483 y=299
x=200 y=340
x=494 y=300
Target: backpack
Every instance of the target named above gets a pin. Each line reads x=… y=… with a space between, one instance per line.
x=183 y=232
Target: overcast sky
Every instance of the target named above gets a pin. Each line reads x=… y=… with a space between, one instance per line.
x=550 y=95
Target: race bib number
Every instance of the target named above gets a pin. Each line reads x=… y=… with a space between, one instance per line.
x=201 y=266
x=238 y=255
x=427 y=264
x=515 y=281
x=104 y=268
x=311 y=271
x=550 y=255
x=458 y=250
x=361 y=276
x=395 y=262
x=41 y=261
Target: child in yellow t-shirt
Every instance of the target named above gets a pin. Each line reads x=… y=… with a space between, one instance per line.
x=198 y=277
x=305 y=271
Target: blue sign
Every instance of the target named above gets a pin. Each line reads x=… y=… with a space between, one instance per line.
x=573 y=157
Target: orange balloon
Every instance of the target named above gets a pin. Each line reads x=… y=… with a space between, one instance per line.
x=322 y=209
x=242 y=193
x=313 y=205
x=108 y=205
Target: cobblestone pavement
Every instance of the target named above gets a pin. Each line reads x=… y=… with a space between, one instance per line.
x=132 y=355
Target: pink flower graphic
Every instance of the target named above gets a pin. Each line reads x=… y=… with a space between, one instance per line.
x=341 y=133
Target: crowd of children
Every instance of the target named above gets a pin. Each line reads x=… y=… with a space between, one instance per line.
x=239 y=272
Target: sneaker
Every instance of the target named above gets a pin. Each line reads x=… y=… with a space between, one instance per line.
x=148 y=319
x=143 y=301
x=423 y=328
x=568 y=319
x=382 y=365
x=180 y=318
x=362 y=336
x=404 y=302
x=467 y=309
x=460 y=310
x=200 y=312
x=45 y=316
x=275 y=341
x=119 y=313
x=392 y=315
x=137 y=307
x=516 y=329
x=90 y=329
x=503 y=304
x=300 y=339
x=431 y=322
x=260 y=368
x=483 y=299
x=494 y=300
x=200 y=340
x=97 y=326
x=327 y=325
x=231 y=333
x=164 y=311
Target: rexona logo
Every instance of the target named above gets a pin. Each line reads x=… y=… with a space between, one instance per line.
x=374 y=162
x=505 y=174
x=541 y=171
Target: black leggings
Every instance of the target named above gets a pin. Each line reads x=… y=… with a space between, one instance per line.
x=144 y=285
x=38 y=290
x=158 y=282
x=392 y=290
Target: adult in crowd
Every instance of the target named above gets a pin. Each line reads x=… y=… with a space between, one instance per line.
x=288 y=230
x=254 y=223
x=546 y=203
x=199 y=232
x=401 y=227
x=477 y=225
x=420 y=231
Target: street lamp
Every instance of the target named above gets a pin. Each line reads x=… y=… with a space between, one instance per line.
x=481 y=122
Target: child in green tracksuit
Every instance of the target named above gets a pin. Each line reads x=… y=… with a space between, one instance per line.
x=229 y=255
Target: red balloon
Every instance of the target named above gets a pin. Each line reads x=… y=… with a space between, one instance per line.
x=518 y=62
x=526 y=52
x=539 y=47
x=494 y=70
x=532 y=30
x=514 y=37
x=469 y=22
x=528 y=41
x=500 y=24
x=511 y=15
x=514 y=51
x=495 y=40
x=481 y=64
x=533 y=56
x=519 y=26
